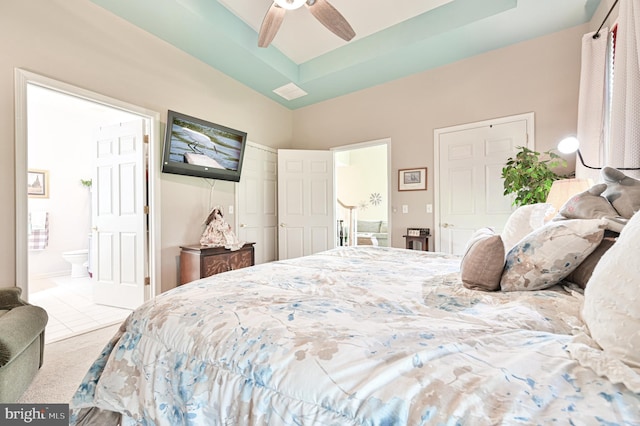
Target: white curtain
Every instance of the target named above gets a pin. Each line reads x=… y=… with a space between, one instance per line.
x=624 y=146
x=593 y=104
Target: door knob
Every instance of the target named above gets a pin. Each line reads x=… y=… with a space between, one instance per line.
x=95 y=228
x=243 y=225
x=283 y=225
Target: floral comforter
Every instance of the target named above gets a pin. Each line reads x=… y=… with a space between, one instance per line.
x=351 y=336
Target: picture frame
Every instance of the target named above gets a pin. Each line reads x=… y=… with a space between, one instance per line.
x=412 y=179
x=38 y=183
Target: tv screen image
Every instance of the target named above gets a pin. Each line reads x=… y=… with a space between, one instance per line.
x=195 y=147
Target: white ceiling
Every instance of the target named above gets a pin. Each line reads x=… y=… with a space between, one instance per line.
x=301 y=37
x=393 y=39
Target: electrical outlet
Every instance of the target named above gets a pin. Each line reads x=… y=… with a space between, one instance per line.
x=405 y=208
x=429 y=208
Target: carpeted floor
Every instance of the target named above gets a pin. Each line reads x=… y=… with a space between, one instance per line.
x=65 y=364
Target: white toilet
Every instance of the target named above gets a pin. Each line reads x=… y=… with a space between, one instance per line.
x=79 y=260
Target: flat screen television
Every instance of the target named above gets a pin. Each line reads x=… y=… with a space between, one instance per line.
x=195 y=147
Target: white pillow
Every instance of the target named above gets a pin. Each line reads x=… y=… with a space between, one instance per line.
x=612 y=301
x=550 y=253
x=523 y=221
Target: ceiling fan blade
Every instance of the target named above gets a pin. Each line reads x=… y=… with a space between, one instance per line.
x=270 y=25
x=331 y=18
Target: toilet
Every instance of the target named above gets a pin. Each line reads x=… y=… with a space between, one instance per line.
x=79 y=260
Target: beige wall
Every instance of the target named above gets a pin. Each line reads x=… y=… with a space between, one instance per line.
x=79 y=43
x=540 y=75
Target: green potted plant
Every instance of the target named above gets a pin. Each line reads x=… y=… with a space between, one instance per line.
x=530 y=175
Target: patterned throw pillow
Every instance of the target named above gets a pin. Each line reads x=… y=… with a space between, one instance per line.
x=549 y=254
x=483 y=261
x=523 y=221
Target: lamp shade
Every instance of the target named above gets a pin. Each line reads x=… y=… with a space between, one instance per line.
x=562 y=190
x=290 y=4
x=568 y=145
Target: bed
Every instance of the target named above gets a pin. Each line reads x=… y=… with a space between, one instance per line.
x=352 y=336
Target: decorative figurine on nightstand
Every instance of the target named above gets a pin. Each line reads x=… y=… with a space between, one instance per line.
x=218 y=233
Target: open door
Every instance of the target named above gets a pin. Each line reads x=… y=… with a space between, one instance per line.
x=119 y=218
x=306 y=198
x=257 y=195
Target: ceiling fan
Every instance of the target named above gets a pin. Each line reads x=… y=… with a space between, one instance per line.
x=320 y=9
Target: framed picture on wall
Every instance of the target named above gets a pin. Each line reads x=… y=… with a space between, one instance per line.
x=38 y=183
x=412 y=179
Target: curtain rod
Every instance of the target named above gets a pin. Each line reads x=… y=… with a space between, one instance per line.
x=597 y=34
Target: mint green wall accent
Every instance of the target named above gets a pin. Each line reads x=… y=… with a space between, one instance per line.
x=211 y=33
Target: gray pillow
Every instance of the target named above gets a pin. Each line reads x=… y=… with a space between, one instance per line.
x=583 y=272
x=623 y=192
x=588 y=205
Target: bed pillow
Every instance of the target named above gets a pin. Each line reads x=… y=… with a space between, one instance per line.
x=583 y=272
x=522 y=221
x=483 y=261
x=547 y=255
x=588 y=205
x=611 y=307
x=623 y=192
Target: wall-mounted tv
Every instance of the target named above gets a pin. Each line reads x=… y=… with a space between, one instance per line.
x=195 y=147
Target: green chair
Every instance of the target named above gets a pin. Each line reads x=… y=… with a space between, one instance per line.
x=22 y=328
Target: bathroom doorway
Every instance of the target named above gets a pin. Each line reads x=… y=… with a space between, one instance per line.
x=60 y=161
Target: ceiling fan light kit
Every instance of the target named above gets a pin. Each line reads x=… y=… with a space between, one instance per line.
x=290 y=4
x=320 y=9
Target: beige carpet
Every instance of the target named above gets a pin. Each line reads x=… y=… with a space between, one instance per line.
x=65 y=364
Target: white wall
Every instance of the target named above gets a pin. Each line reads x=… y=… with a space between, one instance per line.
x=360 y=174
x=77 y=42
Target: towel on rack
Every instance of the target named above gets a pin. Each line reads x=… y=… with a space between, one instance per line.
x=38 y=221
x=38 y=230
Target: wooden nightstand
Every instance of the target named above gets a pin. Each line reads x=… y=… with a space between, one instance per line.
x=422 y=240
x=198 y=261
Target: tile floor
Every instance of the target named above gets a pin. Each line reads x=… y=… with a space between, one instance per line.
x=68 y=301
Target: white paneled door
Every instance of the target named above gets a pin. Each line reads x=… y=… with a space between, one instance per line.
x=306 y=212
x=470 y=186
x=258 y=202
x=119 y=237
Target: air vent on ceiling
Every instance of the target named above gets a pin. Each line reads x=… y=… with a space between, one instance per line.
x=290 y=92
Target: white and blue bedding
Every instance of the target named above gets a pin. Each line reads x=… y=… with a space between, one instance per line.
x=352 y=336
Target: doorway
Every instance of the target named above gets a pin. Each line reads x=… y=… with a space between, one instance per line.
x=55 y=137
x=362 y=193
x=308 y=223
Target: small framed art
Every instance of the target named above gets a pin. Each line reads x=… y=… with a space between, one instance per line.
x=38 y=183
x=412 y=179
